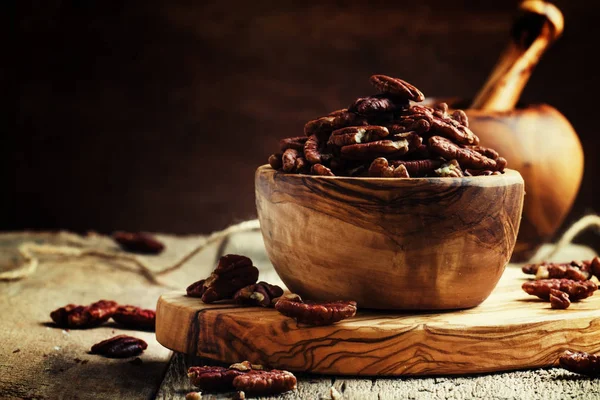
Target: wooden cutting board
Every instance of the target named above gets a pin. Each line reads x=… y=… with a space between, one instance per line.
x=510 y=330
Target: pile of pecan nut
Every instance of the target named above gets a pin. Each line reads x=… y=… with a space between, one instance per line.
x=562 y=283
x=389 y=135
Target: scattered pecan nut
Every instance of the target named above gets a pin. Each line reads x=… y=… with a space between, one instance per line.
x=449 y=169
x=314 y=313
x=577 y=290
x=83 y=317
x=580 y=363
x=232 y=273
x=262 y=383
x=396 y=86
x=575 y=270
x=121 y=346
x=211 y=378
x=135 y=317
x=138 y=242
x=259 y=294
x=559 y=300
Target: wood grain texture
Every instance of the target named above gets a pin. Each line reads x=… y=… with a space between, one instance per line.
x=332 y=238
x=540 y=143
x=510 y=330
x=538 y=384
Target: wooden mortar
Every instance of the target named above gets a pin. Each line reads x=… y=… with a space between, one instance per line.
x=537 y=140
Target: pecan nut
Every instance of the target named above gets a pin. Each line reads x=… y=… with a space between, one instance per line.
x=83 y=317
x=335 y=120
x=396 y=86
x=559 y=300
x=138 y=242
x=259 y=294
x=419 y=167
x=289 y=159
x=377 y=104
x=135 y=318
x=262 y=383
x=312 y=149
x=380 y=168
x=296 y=143
x=212 y=378
x=575 y=270
x=121 y=346
x=313 y=313
x=378 y=148
x=449 y=169
x=275 y=161
x=461 y=117
x=577 y=290
x=232 y=273
x=437 y=123
x=466 y=157
x=319 y=169
x=357 y=134
x=580 y=363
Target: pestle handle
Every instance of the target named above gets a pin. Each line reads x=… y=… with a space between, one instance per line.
x=537 y=27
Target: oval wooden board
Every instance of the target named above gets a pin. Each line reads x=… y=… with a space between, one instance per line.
x=510 y=330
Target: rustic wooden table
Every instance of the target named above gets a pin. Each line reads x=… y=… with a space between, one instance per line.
x=40 y=361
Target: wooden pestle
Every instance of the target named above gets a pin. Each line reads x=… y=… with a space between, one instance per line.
x=538 y=26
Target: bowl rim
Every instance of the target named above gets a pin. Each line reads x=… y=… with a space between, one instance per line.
x=509 y=174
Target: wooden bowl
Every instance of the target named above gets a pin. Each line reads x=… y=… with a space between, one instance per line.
x=404 y=244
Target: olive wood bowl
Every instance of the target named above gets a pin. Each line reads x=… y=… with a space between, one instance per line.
x=390 y=243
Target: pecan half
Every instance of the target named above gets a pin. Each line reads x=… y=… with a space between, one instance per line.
x=319 y=169
x=449 y=169
x=378 y=148
x=466 y=157
x=262 y=383
x=419 y=167
x=259 y=294
x=135 y=317
x=486 y=151
x=438 y=124
x=138 y=242
x=312 y=150
x=83 y=317
x=289 y=160
x=403 y=89
x=296 y=143
x=275 y=161
x=232 y=273
x=575 y=270
x=461 y=117
x=577 y=290
x=381 y=168
x=193 y=396
x=121 y=346
x=335 y=120
x=357 y=134
x=377 y=104
x=595 y=266
x=313 y=313
x=580 y=363
x=212 y=378
x=559 y=300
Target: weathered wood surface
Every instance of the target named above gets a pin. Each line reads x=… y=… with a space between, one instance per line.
x=510 y=330
x=536 y=384
x=41 y=361
x=390 y=243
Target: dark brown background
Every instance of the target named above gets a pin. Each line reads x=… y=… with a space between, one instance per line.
x=154 y=115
